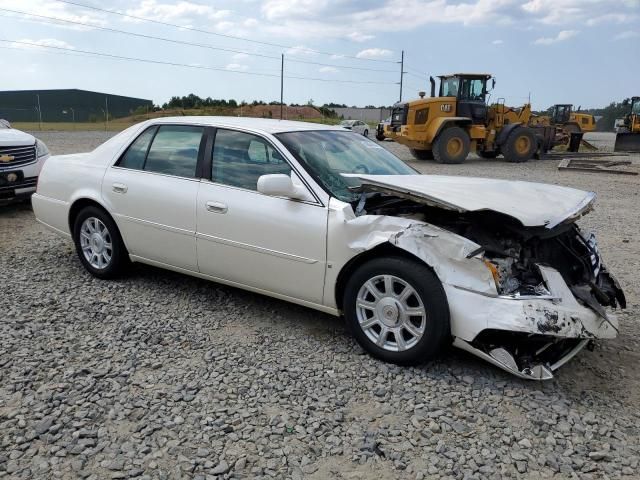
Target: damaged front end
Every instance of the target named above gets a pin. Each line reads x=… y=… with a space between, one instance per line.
x=550 y=289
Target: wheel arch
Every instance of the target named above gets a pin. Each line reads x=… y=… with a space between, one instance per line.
x=439 y=124
x=82 y=202
x=505 y=132
x=385 y=249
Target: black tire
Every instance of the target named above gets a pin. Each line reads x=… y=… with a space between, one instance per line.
x=487 y=154
x=429 y=289
x=442 y=151
x=119 y=257
x=380 y=137
x=422 y=154
x=366 y=133
x=514 y=150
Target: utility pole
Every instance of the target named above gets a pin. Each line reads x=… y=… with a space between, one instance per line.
x=401 y=73
x=39 y=113
x=281 y=86
x=106 y=115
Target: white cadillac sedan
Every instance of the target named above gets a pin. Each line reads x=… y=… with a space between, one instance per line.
x=320 y=217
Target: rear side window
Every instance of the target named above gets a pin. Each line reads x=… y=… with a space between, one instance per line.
x=137 y=151
x=174 y=150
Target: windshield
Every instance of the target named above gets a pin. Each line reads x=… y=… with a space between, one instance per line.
x=4 y=123
x=347 y=123
x=635 y=108
x=327 y=154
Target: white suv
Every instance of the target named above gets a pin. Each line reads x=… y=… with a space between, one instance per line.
x=21 y=159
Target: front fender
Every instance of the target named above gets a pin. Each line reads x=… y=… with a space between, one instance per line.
x=445 y=252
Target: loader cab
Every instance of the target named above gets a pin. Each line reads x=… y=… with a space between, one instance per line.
x=635 y=106
x=470 y=91
x=561 y=114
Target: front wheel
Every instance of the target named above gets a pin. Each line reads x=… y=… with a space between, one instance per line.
x=366 y=133
x=451 y=145
x=397 y=310
x=98 y=243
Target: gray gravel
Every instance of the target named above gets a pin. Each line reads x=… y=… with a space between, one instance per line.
x=159 y=375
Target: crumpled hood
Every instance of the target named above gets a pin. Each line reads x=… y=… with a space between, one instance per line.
x=15 y=138
x=532 y=204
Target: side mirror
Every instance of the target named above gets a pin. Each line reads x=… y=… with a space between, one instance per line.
x=493 y=83
x=281 y=185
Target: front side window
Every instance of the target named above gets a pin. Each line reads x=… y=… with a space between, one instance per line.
x=472 y=89
x=239 y=159
x=330 y=153
x=174 y=150
x=635 y=108
x=449 y=87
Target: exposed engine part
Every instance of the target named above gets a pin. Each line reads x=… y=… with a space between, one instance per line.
x=513 y=252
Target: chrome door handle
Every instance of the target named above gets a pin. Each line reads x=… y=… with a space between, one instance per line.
x=216 y=207
x=119 y=188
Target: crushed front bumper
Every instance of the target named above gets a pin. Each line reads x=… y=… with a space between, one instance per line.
x=554 y=318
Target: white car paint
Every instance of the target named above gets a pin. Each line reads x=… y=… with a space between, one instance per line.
x=537 y=204
x=296 y=249
x=21 y=159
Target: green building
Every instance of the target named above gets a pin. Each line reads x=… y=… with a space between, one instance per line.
x=66 y=105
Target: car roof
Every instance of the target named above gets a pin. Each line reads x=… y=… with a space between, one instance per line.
x=264 y=125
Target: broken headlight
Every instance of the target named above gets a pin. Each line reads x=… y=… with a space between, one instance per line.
x=500 y=271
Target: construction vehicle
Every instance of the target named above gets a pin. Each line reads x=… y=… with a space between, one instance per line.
x=571 y=122
x=570 y=126
x=628 y=138
x=448 y=126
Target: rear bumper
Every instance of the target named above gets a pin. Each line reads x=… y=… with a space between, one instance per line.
x=52 y=213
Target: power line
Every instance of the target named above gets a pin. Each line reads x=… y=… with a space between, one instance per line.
x=181 y=42
x=200 y=67
x=417 y=72
x=209 y=32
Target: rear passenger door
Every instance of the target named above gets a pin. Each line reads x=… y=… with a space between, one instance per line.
x=151 y=191
x=273 y=244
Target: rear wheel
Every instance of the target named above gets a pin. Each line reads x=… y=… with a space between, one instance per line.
x=397 y=310
x=520 y=146
x=451 y=145
x=98 y=243
x=422 y=154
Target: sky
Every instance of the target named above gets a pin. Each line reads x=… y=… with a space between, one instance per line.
x=584 y=52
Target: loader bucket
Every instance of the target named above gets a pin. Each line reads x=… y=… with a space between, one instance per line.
x=627 y=142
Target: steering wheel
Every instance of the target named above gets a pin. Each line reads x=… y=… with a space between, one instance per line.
x=361 y=168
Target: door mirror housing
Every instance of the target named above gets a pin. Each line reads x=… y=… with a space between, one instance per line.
x=281 y=185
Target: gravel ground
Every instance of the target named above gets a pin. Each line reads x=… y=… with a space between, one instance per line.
x=160 y=375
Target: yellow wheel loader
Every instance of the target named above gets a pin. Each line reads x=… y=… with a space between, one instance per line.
x=628 y=136
x=570 y=126
x=448 y=126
